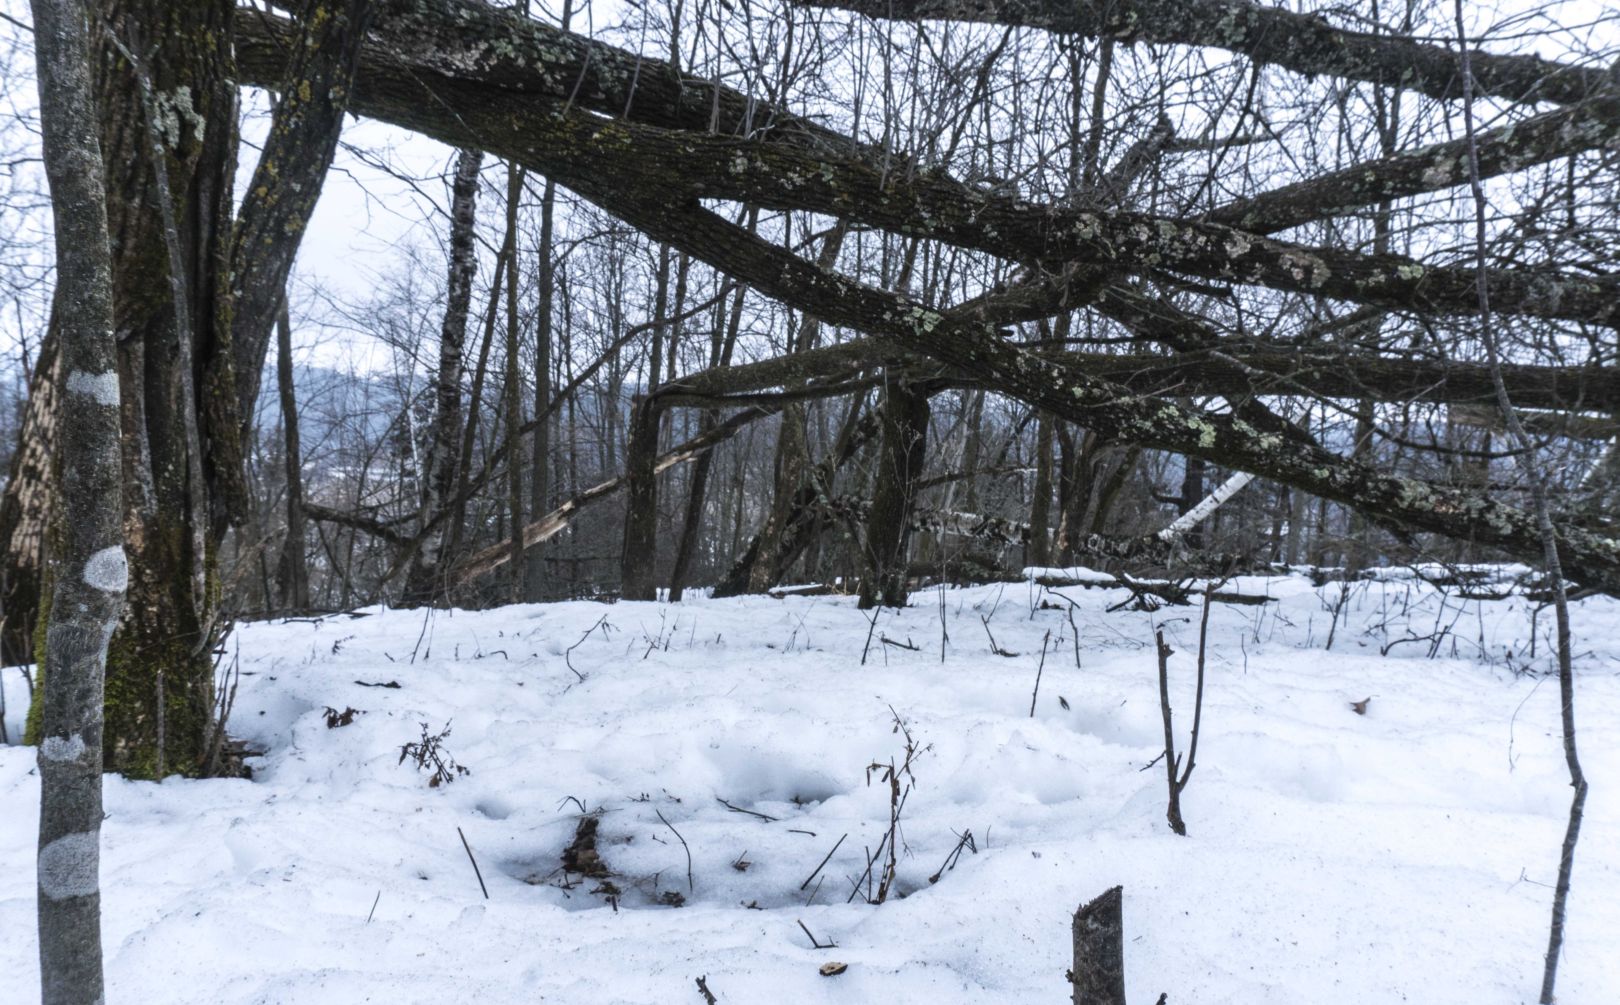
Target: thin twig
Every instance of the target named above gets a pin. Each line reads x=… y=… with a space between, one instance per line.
x=738 y=809
x=816 y=943
x=476 y=871
x=569 y=651
x=993 y=647
x=1198 y=698
x=871 y=626
x=690 y=888
x=823 y=864
x=1041 y=666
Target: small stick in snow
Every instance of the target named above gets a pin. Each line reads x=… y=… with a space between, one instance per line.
x=823 y=864
x=993 y=647
x=373 y=907
x=569 y=651
x=815 y=943
x=739 y=809
x=689 y=886
x=426 y=616
x=871 y=626
x=1041 y=666
x=965 y=841
x=703 y=989
x=476 y=871
x=1075 y=629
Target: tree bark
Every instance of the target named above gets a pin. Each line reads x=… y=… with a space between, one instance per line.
x=534 y=576
x=639 y=560
x=1099 y=951
x=512 y=386
x=292 y=571
x=93 y=571
x=719 y=356
x=900 y=463
x=169 y=220
x=442 y=464
x=1040 y=506
x=25 y=508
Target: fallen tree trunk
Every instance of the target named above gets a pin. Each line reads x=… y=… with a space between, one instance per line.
x=1304 y=43
x=628 y=170
x=553 y=523
x=428 y=59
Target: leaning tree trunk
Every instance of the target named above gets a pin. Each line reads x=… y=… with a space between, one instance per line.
x=900 y=464
x=93 y=571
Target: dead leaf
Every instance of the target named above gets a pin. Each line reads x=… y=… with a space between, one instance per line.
x=833 y=969
x=1361 y=706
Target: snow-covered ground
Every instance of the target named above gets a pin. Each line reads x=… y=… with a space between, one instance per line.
x=1404 y=855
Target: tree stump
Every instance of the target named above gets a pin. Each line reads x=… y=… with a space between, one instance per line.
x=1099 y=951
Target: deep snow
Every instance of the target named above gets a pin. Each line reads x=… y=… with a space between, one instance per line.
x=1402 y=855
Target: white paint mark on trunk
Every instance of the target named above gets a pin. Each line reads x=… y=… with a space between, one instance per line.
x=57 y=749
x=103 y=387
x=108 y=570
x=70 y=866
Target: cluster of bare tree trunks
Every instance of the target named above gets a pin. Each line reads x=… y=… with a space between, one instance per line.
x=657 y=149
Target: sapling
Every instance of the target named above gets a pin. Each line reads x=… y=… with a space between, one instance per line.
x=1175 y=775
